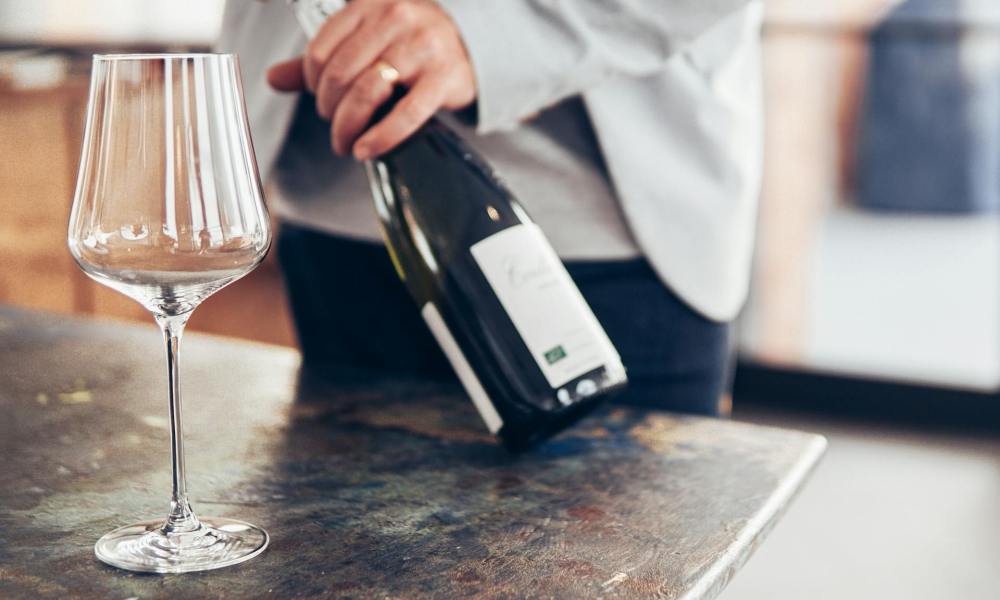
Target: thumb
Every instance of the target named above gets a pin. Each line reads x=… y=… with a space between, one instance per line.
x=287 y=76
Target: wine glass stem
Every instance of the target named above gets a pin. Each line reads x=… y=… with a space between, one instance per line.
x=181 y=518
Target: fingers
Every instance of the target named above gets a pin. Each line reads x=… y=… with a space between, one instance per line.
x=416 y=107
x=286 y=76
x=355 y=110
x=368 y=91
x=415 y=36
x=333 y=31
x=357 y=52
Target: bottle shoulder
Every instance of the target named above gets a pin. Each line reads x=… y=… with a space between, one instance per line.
x=447 y=188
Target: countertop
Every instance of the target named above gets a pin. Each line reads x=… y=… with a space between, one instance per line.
x=369 y=488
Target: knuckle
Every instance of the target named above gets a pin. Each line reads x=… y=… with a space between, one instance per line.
x=413 y=112
x=371 y=89
x=363 y=92
x=430 y=41
x=336 y=76
x=314 y=55
x=402 y=13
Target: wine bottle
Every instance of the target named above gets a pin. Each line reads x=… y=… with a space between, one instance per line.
x=524 y=343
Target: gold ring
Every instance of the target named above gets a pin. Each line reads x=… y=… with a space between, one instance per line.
x=387 y=72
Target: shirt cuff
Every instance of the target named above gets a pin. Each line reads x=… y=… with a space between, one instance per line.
x=521 y=60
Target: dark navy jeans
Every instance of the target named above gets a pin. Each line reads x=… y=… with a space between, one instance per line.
x=352 y=312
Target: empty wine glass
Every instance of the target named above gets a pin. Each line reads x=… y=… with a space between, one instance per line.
x=168 y=210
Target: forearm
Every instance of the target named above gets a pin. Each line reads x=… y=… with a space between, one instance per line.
x=530 y=54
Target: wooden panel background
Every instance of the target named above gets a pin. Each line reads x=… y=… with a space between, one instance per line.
x=40 y=135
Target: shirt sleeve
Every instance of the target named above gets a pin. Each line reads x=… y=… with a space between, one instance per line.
x=262 y=34
x=530 y=54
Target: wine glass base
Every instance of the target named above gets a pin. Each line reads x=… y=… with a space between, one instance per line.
x=145 y=547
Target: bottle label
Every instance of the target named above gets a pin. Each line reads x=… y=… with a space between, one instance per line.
x=550 y=314
x=458 y=362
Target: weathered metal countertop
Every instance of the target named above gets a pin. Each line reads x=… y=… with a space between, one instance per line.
x=376 y=490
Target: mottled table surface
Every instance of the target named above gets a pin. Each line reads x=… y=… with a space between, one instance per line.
x=376 y=489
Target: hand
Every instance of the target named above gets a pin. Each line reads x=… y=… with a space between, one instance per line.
x=416 y=37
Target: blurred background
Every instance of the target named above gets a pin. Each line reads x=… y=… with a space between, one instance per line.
x=874 y=316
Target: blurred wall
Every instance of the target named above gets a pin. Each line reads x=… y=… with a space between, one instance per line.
x=44 y=75
x=71 y=23
x=838 y=288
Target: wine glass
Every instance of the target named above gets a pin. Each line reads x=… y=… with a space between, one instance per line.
x=168 y=210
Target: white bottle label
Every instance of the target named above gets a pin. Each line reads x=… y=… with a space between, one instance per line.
x=462 y=368
x=547 y=309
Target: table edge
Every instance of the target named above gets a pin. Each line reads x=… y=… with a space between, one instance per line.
x=715 y=579
x=86 y=319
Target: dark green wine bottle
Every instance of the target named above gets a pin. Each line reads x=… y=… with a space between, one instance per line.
x=521 y=338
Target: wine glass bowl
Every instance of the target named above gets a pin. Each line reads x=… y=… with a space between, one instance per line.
x=167 y=276
x=168 y=207
x=168 y=210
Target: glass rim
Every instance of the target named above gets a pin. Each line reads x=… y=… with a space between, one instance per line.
x=161 y=56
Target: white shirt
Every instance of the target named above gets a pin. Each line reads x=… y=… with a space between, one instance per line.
x=672 y=89
x=551 y=163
